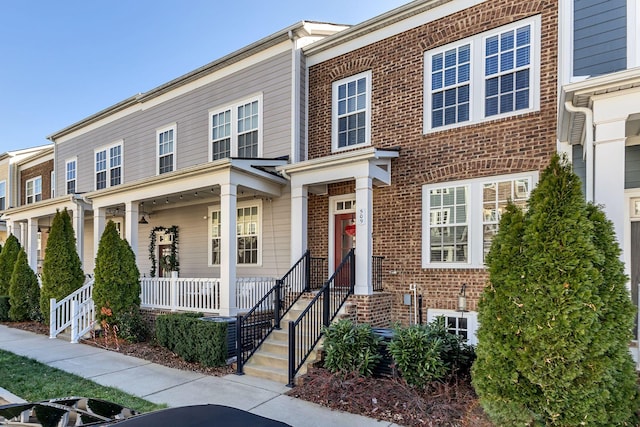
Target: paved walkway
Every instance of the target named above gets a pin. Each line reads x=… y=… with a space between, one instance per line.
x=160 y=384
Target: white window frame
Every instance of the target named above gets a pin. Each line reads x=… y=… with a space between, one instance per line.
x=172 y=127
x=474 y=222
x=240 y=205
x=335 y=116
x=471 y=316
x=67 y=180
x=109 y=168
x=477 y=76
x=3 y=195
x=33 y=195
x=234 y=134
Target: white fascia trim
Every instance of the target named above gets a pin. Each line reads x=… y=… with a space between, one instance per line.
x=619 y=80
x=368 y=153
x=384 y=26
x=39 y=209
x=35 y=160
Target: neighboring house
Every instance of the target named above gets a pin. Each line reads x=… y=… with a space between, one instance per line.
x=15 y=166
x=186 y=170
x=422 y=123
x=599 y=114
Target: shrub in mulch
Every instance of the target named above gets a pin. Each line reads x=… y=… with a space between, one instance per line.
x=447 y=403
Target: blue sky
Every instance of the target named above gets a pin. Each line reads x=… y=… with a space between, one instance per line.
x=61 y=61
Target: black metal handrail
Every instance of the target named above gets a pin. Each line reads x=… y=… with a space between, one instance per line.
x=253 y=327
x=376 y=272
x=305 y=332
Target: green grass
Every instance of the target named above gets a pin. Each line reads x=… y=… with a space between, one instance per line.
x=34 y=381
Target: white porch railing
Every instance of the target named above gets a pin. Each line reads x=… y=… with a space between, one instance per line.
x=75 y=311
x=199 y=294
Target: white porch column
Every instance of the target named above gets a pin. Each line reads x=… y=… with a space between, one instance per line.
x=99 y=216
x=78 y=228
x=131 y=225
x=228 y=244
x=31 y=246
x=364 y=235
x=299 y=218
x=13 y=228
x=609 y=173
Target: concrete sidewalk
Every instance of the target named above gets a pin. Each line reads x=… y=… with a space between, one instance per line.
x=160 y=384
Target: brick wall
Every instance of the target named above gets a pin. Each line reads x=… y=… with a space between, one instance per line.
x=515 y=144
x=43 y=170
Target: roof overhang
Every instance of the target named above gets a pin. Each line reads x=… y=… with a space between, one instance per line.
x=582 y=94
x=368 y=162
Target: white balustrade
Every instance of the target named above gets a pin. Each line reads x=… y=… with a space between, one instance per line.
x=62 y=315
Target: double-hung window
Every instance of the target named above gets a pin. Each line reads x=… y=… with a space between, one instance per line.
x=3 y=195
x=351 y=111
x=248 y=234
x=33 y=190
x=461 y=218
x=465 y=325
x=70 y=175
x=108 y=167
x=489 y=75
x=166 y=149
x=236 y=130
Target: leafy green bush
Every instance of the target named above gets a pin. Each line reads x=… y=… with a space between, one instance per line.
x=350 y=348
x=555 y=319
x=117 y=278
x=8 y=257
x=455 y=353
x=417 y=355
x=193 y=339
x=5 y=306
x=131 y=326
x=61 y=270
x=24 y=292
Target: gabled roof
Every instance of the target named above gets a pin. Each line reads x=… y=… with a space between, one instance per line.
x=300 y=29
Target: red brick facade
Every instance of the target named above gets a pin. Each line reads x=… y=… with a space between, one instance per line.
x=42 y=170
x=515 y=144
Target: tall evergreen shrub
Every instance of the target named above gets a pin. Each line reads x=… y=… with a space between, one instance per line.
x=117 y=278
x=61 y=270
x=24 y=292
x=555 y=318
x=8 y=257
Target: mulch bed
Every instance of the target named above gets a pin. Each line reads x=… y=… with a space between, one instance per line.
x=452 y=403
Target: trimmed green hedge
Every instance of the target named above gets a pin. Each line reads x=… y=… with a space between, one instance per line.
x=192 y=339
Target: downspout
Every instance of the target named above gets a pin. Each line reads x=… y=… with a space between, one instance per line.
x=587 y=153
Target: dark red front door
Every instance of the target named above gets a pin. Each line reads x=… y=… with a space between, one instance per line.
x=345 y=236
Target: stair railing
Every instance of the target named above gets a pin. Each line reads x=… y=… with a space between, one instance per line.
x=305 y=332
x=253 y=327
x=71 y=310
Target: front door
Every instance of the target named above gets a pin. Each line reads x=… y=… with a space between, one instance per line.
x=345 y=236
x=164 y=253
x=635 y=265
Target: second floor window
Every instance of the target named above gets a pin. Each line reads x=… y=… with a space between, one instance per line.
x=486 y=76
x=33 y=190
x=70 y=176
x=236 y=130
x=108 y=166
x=166 y=146
x=3 y=195
x=351 y=111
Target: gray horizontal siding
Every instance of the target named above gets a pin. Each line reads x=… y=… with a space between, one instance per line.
x=632 y=166
x=189 y=111
x=599 y=38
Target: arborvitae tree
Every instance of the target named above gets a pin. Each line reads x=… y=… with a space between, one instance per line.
x=547 y=353
x=24 y=292
x=8 y=258
x=117 y=278
x=61 y=270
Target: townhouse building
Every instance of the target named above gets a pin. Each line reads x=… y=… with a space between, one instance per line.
x=599 y=114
